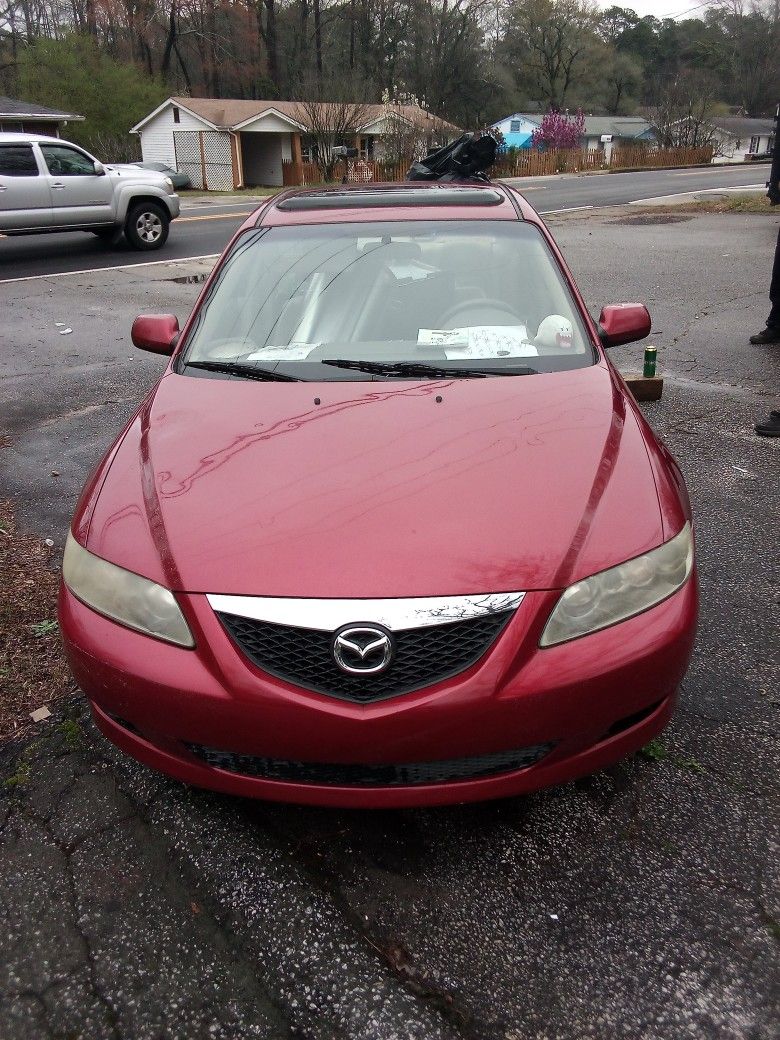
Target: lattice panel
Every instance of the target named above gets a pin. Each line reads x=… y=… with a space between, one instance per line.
x=186 y=144
x=219 y=161
x=206 y=157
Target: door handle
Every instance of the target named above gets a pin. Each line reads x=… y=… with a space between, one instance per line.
x=3 y=187
x=58 y=184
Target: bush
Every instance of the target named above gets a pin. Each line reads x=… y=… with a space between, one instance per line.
x=72 y=75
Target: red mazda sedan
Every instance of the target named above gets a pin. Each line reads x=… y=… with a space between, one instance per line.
x=390 y=530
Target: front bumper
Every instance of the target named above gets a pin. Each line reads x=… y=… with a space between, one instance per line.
x=594 y=700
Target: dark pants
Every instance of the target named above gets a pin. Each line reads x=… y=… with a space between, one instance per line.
x=773 y=321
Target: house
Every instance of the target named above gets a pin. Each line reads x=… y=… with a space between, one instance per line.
x=624 y=130
x=518 y=128
x=25 y=117
x=224 y=144
x=738 y=138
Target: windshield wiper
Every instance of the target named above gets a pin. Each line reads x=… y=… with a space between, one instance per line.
x=412 y=369
x=235 y=368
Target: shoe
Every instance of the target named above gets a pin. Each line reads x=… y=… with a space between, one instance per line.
x=770 y=428
x=769 y=335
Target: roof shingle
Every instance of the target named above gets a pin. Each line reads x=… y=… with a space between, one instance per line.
x=226 y=113
x=28 y=110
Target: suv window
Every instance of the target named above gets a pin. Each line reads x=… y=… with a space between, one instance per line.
x=17 y=160
x=66 y=162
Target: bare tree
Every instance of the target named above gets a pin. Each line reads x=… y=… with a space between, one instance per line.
x=330 y=124
x=683 y=115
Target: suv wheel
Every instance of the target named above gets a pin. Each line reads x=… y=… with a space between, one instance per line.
x=147 y=226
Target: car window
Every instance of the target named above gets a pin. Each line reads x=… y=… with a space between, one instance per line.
x=430 y=291
x=17 y=160
x=66 y=162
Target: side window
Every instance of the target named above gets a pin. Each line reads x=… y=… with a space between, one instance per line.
x=17 y=160
x=66 y=162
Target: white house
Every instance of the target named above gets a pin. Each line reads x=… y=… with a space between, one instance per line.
x=739 y=138
x=224 y=144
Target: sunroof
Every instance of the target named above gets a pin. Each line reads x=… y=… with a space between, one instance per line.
x=389 y=197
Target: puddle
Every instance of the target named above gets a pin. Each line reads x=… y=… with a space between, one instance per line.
x=190 y=279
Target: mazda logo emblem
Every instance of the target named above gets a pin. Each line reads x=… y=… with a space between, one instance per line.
x=363 y=649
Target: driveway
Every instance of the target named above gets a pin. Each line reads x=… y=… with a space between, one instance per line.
x=643 y=901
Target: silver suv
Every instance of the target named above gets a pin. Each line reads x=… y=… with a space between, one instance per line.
x=51 y=185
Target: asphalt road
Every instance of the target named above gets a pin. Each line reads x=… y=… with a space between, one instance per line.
x=204 y=228
x=643 y=901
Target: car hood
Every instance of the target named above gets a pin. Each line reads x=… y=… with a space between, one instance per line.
x=128 y=172
x=383 y=489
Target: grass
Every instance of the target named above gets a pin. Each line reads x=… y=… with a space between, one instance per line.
x=199 y=193
x=32 y=667
x=656 y=751
x=72 y=733
x=731 y=203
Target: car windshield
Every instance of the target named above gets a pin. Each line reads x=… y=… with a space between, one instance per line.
x=474 y=295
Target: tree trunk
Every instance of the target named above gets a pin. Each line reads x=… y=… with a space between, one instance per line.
x=318 y=41
x=271 y=41
x=351 y=35
x=170 y=41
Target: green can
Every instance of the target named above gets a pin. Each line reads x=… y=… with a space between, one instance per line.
x=650 y=357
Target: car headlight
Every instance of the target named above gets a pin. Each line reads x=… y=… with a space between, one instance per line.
x=169 y=186
x=123 y=596
x=621 y=592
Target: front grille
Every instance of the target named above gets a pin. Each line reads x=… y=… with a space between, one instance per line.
x=407 y=774
x=423 y=656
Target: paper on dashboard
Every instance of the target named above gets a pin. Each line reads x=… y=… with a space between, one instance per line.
x=284 y=352
x=480 y=341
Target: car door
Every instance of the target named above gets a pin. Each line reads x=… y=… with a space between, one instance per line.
x=79 y=194
x=25 y=199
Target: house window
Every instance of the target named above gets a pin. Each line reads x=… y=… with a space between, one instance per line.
x=754 y=142
x=176 y=116
x=514 y=126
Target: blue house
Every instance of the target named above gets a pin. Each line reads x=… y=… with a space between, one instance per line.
x=517 y=130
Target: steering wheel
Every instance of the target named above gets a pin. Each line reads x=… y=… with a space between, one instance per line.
x=496 y=311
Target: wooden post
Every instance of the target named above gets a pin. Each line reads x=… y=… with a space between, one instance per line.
x=297 y=158
x=357 y=145
x=237 y=160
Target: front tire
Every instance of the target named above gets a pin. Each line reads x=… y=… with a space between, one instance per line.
x=147 y=226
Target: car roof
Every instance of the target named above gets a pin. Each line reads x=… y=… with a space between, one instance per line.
x=407 y=200
x=8 y=137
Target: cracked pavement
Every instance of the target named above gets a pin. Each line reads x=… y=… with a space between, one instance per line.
x=641 y=901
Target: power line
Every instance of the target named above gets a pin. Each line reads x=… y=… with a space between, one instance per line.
x=690 y=10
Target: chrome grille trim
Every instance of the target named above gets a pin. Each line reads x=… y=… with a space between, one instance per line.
x=397 y=615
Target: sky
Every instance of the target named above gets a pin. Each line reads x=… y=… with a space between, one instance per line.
x=658 y=8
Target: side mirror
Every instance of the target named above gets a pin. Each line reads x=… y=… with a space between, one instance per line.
x=157 y=333
x=99 y=169
x=623 y=323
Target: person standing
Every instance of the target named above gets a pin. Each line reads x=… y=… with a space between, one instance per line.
x=771 y=334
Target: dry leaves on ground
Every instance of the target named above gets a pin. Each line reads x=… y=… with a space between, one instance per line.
x=33 y=672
